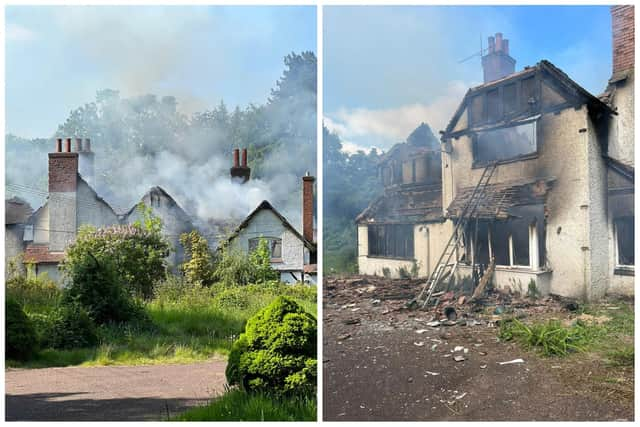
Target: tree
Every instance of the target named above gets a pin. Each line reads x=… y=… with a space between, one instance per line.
x=199 y=266
x=260 y=259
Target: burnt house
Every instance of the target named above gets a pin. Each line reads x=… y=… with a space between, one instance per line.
x=293 y=253
x=402 y=226
x=556 y=211
x=72 y=202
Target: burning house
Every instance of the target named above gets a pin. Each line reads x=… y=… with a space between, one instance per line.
x=72 y=202
x=536 y=183
x=293 y=254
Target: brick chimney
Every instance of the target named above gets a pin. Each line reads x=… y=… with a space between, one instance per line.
x=63 y=182
x=307 y=206
x=240 y=172
x=497 y=63
x=623 y=40
x=86 y=160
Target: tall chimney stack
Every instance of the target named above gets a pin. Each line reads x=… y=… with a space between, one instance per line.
x=240 y=172
x=623 y=40
x=497 y=63
x=307 y=207
x=63 y=183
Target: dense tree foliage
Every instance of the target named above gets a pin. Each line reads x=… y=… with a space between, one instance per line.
x=199 y=265
x=350 y=184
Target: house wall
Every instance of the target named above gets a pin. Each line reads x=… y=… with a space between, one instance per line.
x=41 y=225
x=566 y=142
x=93 y=210
x=51 y=270
x=428 y=243
x=266 y=224
x=621 y=130
x=173 y=223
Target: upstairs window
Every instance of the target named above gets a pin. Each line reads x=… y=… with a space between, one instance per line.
x=275 y=247
x=504 y=144
x=391 y=240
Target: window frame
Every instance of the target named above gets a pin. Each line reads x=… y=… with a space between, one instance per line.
x=387 y=226
x=475 y=163
x=622 y=269
x=534 y=256
x=269 y=239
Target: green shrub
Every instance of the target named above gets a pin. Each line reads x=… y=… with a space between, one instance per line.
x=277 y=351
x=177 y=291
x=36 y=293
x=20 y=336
x=260 y=259
x=234 y=268
x=94 y=283
x=138 y=252
x=70 y=327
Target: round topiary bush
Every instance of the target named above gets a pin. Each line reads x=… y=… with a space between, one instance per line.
x=20 y=335
x=277 y=351
x=70 y=327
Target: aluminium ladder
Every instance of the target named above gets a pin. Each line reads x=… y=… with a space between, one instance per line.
x=444 y=267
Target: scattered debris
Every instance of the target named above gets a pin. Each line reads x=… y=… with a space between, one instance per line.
x=418 y=343
x=458 y=348
x=434 y=324
x=344 y=337
x=461 y=396
x=459 y=358
x=432 y=373
x=421 y=331
x=510 y=362
x=483 y=366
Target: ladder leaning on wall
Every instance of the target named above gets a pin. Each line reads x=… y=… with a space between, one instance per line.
x=444 y=267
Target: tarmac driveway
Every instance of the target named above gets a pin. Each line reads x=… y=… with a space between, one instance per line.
x=110 y=393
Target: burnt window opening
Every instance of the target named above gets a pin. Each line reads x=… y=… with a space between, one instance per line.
x=624 y=230
x=476 y=109
x=397 y=172
x=509 y=242
x=391 y=240
x=505 y=144
x=493 y=105
x=274 y=244
x=509 y=95
x=528 y=94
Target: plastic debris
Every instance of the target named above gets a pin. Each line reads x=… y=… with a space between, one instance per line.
x=459 y=358
x=511 y=362
x=432 y=373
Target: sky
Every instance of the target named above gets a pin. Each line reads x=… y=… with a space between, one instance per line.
x=389 y=68
x=58 y=57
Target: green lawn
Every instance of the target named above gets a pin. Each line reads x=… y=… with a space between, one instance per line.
x=185 y=326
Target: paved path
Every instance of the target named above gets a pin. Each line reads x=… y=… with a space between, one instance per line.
x=113 y=393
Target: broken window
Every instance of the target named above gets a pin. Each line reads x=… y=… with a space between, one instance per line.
x=500 y=243
x=528 y=91
x=493 y=105
x=509 y=96
x=504 y=143
x=391 y=240
x=624 y=230
x=476 y=111
x=274 y=243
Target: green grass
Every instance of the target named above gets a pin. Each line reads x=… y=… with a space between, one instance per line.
x=189 y=324
x=612 y=339
x=237 y=405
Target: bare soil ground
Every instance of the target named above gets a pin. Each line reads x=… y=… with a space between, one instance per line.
x=111 y=393
x=383 y=362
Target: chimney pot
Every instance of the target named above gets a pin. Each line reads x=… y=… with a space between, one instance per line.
x=492 y=44
x=236 y=157
x=68 y=145
x=244 y=157
x=78 y=144
x=59 y=145
x=505 y=46
x=498 y=42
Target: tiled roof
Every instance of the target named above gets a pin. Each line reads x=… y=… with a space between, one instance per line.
x=500 y=198
x=40 y=254
x=406 y=203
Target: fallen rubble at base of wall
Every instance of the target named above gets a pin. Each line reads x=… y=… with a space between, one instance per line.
x=374 y=296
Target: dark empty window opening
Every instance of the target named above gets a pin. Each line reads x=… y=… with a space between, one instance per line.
x=519 y=242
x=274 y=243
x=500 y=243
x=505 y=143
x=476 y=109
x=624 y=230
x=510 y=99
x=528 y=90
x=493 y=105
x=391 y=240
